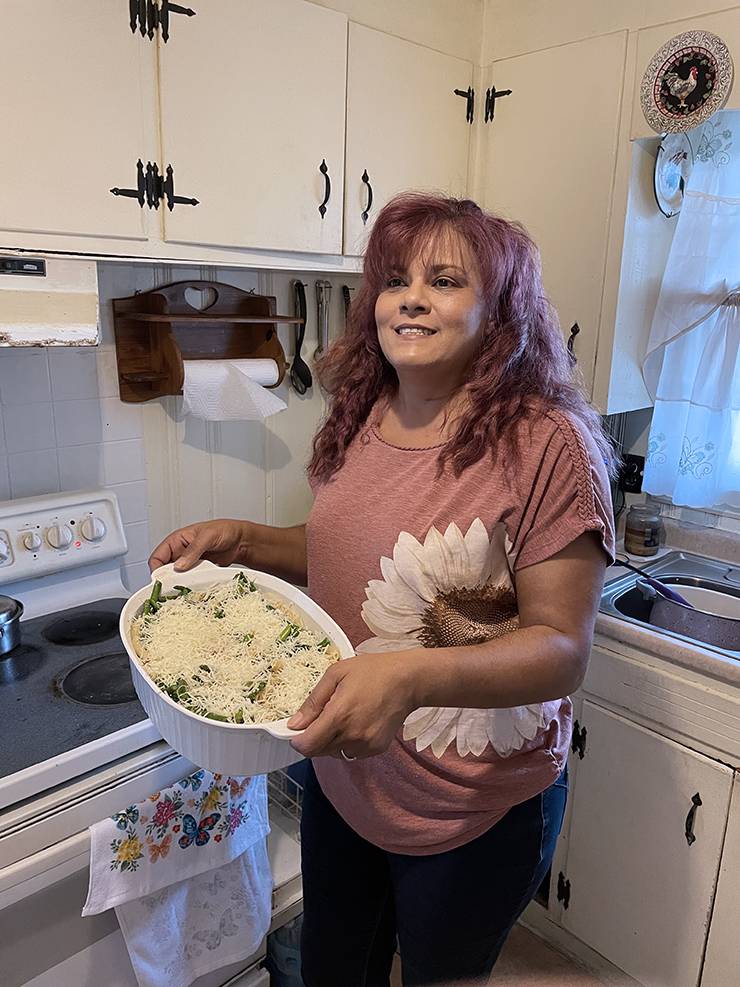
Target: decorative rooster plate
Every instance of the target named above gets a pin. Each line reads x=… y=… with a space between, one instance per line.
x=687 y=80
x=673 y=166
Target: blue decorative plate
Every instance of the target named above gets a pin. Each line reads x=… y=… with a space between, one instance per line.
x=673 y=166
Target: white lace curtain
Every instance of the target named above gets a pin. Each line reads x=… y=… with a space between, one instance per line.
x=692 y=364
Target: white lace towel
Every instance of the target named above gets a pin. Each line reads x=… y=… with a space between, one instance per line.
x=189 y=929
x=188 y=874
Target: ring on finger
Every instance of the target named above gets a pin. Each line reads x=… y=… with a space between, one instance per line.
x=346 y=757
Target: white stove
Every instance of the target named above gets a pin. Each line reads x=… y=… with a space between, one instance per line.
x=77 y=745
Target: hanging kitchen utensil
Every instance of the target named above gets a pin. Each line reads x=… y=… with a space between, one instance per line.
x=323 y=300
x=346 y=296
x=661 y=588
x=300 y=374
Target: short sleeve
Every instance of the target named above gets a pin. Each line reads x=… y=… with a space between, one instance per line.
x=566 y=493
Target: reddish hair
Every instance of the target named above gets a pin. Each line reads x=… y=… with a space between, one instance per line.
x=522 y=363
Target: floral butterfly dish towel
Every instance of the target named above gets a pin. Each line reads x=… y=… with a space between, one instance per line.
x=188 y=874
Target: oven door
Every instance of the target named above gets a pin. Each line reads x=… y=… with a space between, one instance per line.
x=47 y=943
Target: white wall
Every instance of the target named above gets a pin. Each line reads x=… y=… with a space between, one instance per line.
x=63 y=428
x=449 y=26
x=511 y=27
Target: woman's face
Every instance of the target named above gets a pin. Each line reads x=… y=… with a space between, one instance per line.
x=430 y=316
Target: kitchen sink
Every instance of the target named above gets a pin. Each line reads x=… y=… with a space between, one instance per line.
x=707 y=583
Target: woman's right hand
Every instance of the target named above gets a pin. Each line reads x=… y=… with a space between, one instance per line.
x=223 y=541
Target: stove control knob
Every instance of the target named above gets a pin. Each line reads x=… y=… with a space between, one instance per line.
x=93 y=529
x=59 y=536
x=32 y=541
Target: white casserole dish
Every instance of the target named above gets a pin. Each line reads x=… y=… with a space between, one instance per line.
x=239 y=749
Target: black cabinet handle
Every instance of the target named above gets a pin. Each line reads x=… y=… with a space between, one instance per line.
x=695 y=803
x=324 y=169
x=574 y=330
x=368 y=207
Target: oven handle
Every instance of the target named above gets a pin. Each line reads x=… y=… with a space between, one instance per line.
x=25 y=877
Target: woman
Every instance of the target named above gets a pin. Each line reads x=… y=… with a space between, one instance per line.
x=460 y=533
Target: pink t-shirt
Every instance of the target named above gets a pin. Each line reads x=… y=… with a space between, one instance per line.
x=401 y=558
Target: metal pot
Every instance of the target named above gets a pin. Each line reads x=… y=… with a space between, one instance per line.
x=711 y=628
x=11 y=612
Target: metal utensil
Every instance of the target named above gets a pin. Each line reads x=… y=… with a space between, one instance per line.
x=323 y=300
x=11 y=612
x=347 y=301
x=660 y=588
x=300 y=373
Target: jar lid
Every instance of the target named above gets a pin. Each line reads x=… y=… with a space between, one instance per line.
x=645 y=509
x=9 y=609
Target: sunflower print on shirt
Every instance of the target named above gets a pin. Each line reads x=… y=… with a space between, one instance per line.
x=451 y=590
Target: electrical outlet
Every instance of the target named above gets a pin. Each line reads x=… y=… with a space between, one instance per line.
x=630 y=475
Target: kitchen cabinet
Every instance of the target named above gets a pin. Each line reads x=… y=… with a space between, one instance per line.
x=252 y=109
x=548 y=160
x=406 y=126
x=644 y=846
x=77 y=112
x=721 y=961
x=726 y=24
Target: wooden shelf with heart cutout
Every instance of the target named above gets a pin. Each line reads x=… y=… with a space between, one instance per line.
x=156 y=331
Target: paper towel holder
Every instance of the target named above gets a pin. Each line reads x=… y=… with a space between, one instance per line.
x=157 y=330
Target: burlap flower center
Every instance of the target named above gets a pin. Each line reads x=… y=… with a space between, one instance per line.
x=469 y=616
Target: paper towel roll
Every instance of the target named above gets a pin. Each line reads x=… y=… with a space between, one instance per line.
x=230 y=390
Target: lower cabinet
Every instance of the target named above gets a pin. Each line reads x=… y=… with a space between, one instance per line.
x=722 y=962
x=647 y=827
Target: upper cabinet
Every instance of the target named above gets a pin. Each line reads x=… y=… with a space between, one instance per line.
x=78 y=111
x=406 y=126
x=252 y=98
x=549 y=161
x=725 y=24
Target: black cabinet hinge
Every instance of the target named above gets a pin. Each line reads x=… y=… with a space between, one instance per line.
x=578 y=743
x=563 y=890
x=492 y=95
x=152 y=188
x=150 y=16
x=469 y=96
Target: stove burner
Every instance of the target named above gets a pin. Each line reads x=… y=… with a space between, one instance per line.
x=85 y=628
x=103 y=681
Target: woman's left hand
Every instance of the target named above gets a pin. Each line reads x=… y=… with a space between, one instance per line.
x=358 y=706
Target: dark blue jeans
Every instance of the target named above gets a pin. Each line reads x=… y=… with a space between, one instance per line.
x=449 y=913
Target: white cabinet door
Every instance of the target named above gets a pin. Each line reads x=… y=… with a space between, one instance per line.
x=406 y=128
x=722 y=962
x=549 y=162
x=640 y=893
x=253 y=99
x=726 y=24
x=77 y=109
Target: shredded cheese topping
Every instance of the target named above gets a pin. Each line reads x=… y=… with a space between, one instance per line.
x=228 y=653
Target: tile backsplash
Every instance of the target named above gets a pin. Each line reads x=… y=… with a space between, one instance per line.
x=64 y=428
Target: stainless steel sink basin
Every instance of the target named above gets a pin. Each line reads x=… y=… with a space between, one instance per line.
x=624 y=600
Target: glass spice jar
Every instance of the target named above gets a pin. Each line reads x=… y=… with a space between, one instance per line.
x=643 y=531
